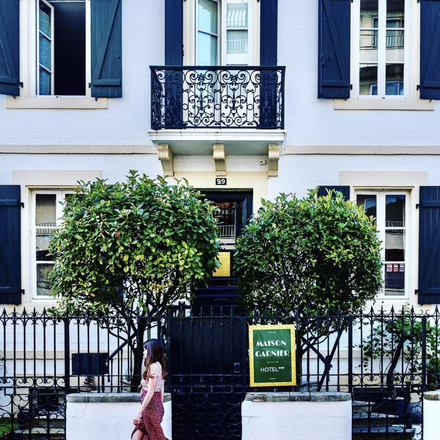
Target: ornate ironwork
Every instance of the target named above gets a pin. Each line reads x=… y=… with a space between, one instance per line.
x=385 y=360
x=217 y=97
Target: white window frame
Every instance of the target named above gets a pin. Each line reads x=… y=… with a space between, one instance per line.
x=60 y=194
x=381 y=47
x=411 y=100
x=51 y=39
x=380 y=206
x=190 y=33
x=29 y=99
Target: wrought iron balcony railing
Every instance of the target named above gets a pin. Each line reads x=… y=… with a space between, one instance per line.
x=217 y=97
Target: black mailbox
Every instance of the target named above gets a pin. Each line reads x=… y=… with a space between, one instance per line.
x=90 y=364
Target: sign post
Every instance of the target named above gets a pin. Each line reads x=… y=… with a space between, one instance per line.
x=272 y=355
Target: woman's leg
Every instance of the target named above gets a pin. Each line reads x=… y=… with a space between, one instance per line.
x=137 y=435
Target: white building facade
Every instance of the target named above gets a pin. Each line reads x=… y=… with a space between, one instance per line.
x=244 y=98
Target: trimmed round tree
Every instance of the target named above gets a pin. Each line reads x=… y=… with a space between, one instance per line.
x=132 y=247
x=308 y=256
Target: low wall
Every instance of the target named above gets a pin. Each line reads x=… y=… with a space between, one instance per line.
x=106 y=415
x=431 y=411
x=299 y=416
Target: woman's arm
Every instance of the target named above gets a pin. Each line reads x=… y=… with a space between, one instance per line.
x=151 y=385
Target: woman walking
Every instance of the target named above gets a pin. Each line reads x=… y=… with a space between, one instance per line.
x=149 y=417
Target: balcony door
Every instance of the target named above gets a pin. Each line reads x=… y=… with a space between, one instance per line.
x=224 y=32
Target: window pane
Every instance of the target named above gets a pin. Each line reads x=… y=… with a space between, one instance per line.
x=395 y=9
x=236 y=15
x=395 y=245
x=395 y=44
x=369 y=11
x=45 y=223
x=368 y=45
x=207 y=16
x=237 y=42
x=368 y=80
x=206 y=50
x=369 y=203
x=394 y=279
x=43 y=285
x=44 y=19
x=45 y=52
x=45 y=82
x=395 y=211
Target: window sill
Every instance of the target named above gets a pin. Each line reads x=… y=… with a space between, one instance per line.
x=56 y=102
x=384 y=104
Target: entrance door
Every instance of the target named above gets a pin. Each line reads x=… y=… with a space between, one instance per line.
x=234 y=211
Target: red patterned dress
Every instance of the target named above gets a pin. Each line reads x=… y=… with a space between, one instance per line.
x=152 y=415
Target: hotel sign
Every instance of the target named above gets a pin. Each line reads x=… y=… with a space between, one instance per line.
x=272 y=355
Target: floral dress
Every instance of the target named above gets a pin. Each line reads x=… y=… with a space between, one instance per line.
x=150 y=422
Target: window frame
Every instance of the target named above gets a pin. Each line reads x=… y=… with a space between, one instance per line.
x=29 y=99
x=381 y=47
x=409 y=227
x=190 y=31
x=60 y=194
x=411 y=100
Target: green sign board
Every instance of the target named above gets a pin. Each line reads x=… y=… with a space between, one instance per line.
x=272 y=355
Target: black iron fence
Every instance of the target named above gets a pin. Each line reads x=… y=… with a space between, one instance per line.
x=217 y=97
x=386 y=360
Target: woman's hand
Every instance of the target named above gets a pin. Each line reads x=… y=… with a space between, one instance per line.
x=137 y=418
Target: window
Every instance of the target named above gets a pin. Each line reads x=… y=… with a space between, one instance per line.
x=379 y=54
x=61 y=47
x=223 y=32
x=68 y=48
x=389 y=210
x=382 y=58
x=48 y=211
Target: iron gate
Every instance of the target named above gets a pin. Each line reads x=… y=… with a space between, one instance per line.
x=207 y=380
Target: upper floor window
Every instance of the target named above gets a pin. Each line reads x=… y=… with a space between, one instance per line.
x=61 y=47
x=223 y=32
x=382 y=54
x=69 y=48
x=381 y=50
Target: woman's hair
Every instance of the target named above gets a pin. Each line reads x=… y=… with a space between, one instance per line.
x=155 y=353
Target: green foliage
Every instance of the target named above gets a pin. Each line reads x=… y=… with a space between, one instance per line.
x=138 y=245
x=397 y=342
x=308 y=254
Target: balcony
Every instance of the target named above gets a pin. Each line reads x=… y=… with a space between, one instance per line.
x=215 y=97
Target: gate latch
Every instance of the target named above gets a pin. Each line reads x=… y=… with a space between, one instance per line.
x=236 y=367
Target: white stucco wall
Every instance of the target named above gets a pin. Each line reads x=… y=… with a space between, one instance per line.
x=299 y=416
x=106 y=416
x=431 y=410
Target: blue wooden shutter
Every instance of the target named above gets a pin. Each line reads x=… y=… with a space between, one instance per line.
x=173 y=32
x=430 y=49
x=345 y=190
x=334 y=49
x=106 y=48
x=9 y=47
x=429 y=245
x=269 y=32
x=10 y=245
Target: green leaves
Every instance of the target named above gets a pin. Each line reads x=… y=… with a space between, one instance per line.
x=140 y=243
x=309 y=253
